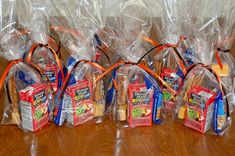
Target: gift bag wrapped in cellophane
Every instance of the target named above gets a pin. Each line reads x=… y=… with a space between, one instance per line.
x=27 y=99
x=202 y=104
x=223 y=61
x=167 y=59
x=81 y=98
x=43 y=51
x=137 y=98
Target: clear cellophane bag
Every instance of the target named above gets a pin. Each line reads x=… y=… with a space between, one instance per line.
x=168 y=60
x=82 y=98
x=223 y=45
x=137 y=100
x=43 y=51
x=27 y=95
x=202 y=104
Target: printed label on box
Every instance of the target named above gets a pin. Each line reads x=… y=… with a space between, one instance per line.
x=81 y=108
x=51 y=71
x=140 y=107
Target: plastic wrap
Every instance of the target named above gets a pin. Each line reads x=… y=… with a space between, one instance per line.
x=83 y=98
x=223 y=45
x=42 y=52
x=202 y=104
x=168 y=61
x=137 y=100
x=27 y=95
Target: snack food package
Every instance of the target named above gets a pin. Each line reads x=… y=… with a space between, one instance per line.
x=137 y=98
x=225 y=66
x=202 y=104
x=27 y=99
x=82 y=99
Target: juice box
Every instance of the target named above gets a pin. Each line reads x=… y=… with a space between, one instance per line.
x=200 y=109
x=140 y=105
x=80 y=106
x=175 y=82
x=172 y=78
x=51 y=71
x=34 y=107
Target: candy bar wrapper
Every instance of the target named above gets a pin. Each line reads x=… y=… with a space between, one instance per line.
x=27 y=101
x=201 y=105
x=83 y=101
x=138 y=98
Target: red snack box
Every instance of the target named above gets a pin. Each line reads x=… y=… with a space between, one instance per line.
x=51 y=71
x=80 y=106
x=140 y=105
x=175 y=82
x=34 y=107
x=200 y=109
x=172 y=79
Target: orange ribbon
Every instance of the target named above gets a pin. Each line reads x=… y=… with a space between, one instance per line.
x=159 y=49
x=142 y=66
x=218 y=59
x=33 y=48
x=8 y=68
x=10 y=65
x=94 y=64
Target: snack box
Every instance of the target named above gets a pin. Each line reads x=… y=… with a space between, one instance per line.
x=80 y=106
x=174 y=79
x=140 y=105
x=34 y=107
x=200 y=109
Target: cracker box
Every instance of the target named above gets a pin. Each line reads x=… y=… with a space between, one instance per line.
x=140 y=105
x=80 y=105
x=34 y=107
x=51 y=71
x=200 y=109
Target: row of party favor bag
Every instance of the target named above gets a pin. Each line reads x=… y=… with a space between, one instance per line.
x=187 y=77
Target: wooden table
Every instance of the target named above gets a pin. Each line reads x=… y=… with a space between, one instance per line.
x=171 y=138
